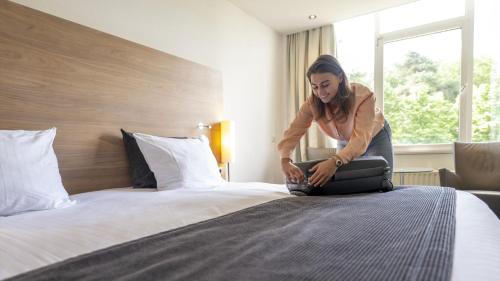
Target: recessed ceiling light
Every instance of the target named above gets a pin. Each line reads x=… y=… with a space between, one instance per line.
x=312 y=17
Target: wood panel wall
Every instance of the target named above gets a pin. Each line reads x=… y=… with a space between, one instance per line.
x=89 y=84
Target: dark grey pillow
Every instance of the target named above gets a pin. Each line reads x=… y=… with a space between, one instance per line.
x=142 y=176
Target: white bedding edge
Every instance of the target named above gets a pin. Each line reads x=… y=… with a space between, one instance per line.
x=99 y=220
x=477 y=240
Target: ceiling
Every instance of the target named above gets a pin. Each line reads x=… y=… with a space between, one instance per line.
x=288 y=16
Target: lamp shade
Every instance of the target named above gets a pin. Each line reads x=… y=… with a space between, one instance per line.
x=223 y=141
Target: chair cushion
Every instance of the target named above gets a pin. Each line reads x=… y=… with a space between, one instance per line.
x=478 y=165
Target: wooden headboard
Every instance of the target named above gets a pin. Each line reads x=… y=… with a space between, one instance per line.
x=89 y=84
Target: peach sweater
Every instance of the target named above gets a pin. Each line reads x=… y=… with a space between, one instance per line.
x=364 y=121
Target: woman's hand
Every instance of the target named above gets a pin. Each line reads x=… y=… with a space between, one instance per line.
x=292 y=172
x=323 y=172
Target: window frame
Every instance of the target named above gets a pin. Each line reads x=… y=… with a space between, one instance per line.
x=466 y=25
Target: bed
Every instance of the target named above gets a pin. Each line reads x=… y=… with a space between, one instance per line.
x=88 y=84
x=105 y=218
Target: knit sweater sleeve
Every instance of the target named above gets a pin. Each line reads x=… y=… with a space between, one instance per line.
x=297 y=129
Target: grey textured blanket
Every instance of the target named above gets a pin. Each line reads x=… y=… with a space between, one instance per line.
x=406 y=234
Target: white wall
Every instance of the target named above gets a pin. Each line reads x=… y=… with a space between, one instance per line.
x=214 y=33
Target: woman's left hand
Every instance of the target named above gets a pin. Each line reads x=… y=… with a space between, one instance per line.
x=323 y=172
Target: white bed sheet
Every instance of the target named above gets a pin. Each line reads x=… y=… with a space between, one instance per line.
x=108 y=217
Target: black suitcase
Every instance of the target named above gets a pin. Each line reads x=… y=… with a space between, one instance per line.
x=365 y=174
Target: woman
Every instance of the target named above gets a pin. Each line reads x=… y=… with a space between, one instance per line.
x=343 y=111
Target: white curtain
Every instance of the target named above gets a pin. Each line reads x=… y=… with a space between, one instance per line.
x=303 y=48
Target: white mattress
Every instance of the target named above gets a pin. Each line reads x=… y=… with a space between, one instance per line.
x=104 y=218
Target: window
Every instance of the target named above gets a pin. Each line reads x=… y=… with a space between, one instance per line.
x=432 y=87
x=421 y=88
x=355 y=37
x=486 y=81
x=419 y=13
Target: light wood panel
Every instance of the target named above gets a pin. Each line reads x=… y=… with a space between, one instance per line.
x=88 y=84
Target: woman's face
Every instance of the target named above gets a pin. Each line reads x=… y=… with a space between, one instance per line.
x=325 y=85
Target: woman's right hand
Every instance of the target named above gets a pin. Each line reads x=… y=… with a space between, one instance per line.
x=292 y=172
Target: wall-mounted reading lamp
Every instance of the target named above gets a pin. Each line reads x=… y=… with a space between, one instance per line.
x=202 y=126
x=222 y=142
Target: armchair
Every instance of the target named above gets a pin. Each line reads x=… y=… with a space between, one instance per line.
x=477 y=170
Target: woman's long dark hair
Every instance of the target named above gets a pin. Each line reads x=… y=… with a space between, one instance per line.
x=344 y=99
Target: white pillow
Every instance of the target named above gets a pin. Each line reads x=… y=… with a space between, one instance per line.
x=180 y=163
x=29 y=174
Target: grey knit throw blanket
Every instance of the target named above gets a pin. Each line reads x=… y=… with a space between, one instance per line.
x=406 y=234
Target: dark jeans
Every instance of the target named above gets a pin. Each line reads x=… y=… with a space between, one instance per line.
x=381 y=145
